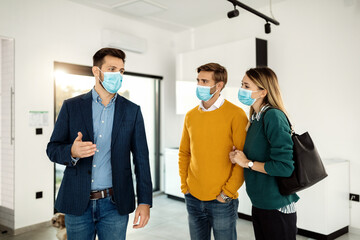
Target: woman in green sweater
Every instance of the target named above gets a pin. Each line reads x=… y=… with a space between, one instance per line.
x=267 y=154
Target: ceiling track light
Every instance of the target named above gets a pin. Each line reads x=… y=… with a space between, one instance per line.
x=267 y=28
x=235 y=13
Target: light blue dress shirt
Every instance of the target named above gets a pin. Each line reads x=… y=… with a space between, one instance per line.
x=103 y=118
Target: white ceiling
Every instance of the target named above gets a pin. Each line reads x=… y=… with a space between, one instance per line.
x=174 y=15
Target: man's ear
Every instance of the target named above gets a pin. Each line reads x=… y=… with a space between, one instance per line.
x=96 y=71
x=219 y=86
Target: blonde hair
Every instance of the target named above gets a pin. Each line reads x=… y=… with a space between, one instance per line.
x=265 y=78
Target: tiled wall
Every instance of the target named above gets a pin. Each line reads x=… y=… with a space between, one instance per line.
x=6 y=133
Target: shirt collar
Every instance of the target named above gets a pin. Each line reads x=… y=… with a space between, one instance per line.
x=97 y=98
x=217 y=104
x=258 y=115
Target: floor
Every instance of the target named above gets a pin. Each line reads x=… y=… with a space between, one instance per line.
x=168 y=221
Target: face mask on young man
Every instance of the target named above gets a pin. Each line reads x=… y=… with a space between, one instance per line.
x=244 y=97
x=203 y=92
x=112 y=81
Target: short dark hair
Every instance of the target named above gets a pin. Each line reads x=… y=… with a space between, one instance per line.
x=98 y=58
x=220 y=73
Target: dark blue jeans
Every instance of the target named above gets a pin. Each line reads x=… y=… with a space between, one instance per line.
x=102 y=218
x=204 y=215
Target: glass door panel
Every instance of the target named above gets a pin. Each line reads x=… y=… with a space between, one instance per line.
x=68 y=86
x=140 y=90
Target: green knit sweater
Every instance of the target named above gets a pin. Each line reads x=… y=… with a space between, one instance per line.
x=270 y=143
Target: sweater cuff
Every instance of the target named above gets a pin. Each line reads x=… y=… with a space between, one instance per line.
x=230 y=194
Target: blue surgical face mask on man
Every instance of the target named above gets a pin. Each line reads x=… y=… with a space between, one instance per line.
x=203 y=92
x=244 y=97
x=112 y=81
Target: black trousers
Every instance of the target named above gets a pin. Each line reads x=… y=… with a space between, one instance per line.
x=273 y=224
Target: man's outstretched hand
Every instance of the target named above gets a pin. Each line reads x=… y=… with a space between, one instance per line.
x=82 y=149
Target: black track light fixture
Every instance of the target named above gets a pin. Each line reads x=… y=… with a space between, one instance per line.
x=235 y=13
x=267 y=28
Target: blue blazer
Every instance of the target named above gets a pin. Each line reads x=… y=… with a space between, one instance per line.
x=128 y=135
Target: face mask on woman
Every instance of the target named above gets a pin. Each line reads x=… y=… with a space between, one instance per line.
x=112 y=81
x=244 y=97
x=203 y=92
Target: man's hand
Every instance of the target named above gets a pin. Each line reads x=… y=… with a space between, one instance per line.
x=232 y=155
x=220 y=199
x=142 y=212
x=82 y=149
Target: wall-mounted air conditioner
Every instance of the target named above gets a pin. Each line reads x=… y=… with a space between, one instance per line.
x=123 y=41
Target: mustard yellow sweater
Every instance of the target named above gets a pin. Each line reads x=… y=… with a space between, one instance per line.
x=207 y=139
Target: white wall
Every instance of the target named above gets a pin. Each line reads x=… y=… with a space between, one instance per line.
x=315 y=53
x=58 y=30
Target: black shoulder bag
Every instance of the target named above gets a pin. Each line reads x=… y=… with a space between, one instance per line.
x=309 y=168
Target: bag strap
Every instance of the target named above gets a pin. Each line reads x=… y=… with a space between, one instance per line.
x=263 y=117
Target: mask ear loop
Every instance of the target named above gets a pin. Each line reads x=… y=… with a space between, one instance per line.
x=100 y=79
x=259 y=113
x=99 y=74
x=213 y=93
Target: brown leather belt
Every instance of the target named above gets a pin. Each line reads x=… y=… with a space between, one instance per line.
x=101 y=194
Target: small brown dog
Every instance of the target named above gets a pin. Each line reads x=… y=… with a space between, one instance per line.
x=58 y=221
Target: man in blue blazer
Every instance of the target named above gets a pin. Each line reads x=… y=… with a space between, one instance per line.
x=93 y=136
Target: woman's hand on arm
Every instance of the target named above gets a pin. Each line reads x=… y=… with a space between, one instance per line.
x=239 y=157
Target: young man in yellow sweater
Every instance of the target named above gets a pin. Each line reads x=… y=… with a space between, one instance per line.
x=208 y=179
